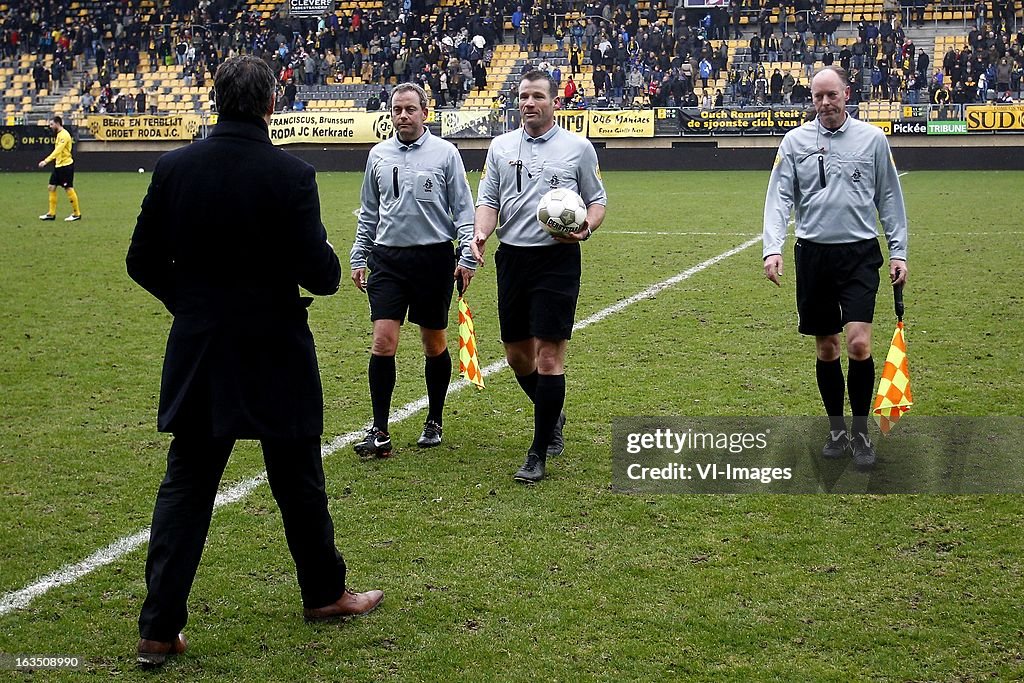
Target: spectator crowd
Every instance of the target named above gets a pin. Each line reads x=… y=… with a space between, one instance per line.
x=638 y=58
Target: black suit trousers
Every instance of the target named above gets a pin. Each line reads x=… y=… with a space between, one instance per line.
x=184 y=507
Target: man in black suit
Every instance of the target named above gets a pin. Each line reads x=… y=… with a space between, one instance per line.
x=229 y=230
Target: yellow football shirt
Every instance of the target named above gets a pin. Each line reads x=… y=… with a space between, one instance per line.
x=62 y=149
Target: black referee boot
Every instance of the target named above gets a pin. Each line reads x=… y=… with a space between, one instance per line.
x=377 y=444
x=836 y=445
x=532 y=470
x=863 y=451
x=431 y=435
x=557 y=444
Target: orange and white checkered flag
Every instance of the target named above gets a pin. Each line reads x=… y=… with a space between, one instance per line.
x=893 y=398
x=469 y=362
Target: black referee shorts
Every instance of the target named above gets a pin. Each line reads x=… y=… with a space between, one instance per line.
x=537 y=291
x=414 y=280
x=63 y=176
x=836 y=284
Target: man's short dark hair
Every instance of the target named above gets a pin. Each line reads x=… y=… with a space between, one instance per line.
x=541 y=75
x=244 y=86
x=838 y=70
x=410 y=87
x=58 y=120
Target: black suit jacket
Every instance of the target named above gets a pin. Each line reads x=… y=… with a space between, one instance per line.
x=229 y=230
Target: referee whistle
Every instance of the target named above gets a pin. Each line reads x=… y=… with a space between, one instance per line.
x=821 y=170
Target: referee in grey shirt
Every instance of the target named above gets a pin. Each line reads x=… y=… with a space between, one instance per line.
x=538 y=275
x=838 y=174
x=415 y=201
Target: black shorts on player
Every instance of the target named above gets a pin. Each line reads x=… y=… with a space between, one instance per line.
x=836 y=284
x=537 y=291
x=63 y=176
x=417 y=281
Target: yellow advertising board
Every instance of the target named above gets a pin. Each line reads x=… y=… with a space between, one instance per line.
x=574 y=121
x=288 y=128
x=144 y=127
x=886 y=126
x=1001 y=117
x=627 y=123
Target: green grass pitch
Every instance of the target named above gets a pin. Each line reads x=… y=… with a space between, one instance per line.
x=489 y=580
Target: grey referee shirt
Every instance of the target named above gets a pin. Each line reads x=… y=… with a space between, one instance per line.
x=521 y=169
x=413 y=195
x=841 y=184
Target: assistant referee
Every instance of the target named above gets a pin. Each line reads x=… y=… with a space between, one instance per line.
x=63 y=174
x=839 y=175
x=538 y=275
x=415 y=201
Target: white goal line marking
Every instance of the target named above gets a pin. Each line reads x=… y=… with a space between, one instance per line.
x=70 y=573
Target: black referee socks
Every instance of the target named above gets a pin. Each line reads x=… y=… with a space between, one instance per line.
x=547 y=406
x=381 y=374
x=529 y=385
x=860 y=382
x=437 y=371
x=830 y=386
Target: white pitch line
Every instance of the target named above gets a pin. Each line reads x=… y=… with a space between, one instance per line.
x=902 y=174
x=955 y=232
x=673 y=234
x=68 y=574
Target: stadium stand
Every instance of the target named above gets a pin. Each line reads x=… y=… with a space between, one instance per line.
x=106 y=54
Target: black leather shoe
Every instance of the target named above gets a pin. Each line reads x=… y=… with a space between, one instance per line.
x=153 y=653
x=532 y=470
x=348 y=605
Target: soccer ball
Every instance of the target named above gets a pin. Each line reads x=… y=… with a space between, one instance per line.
x=561 y=211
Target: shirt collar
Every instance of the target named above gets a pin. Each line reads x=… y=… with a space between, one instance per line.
x=418 y=142
x=542 y=138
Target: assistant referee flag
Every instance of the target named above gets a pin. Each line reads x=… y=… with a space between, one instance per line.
x=894 y=398
x=469 y=362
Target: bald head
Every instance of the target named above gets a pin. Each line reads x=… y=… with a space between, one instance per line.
x=830 y=91
x=830 y=72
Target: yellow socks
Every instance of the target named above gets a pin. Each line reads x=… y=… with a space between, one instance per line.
x=53 y=203
x=73 y=196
